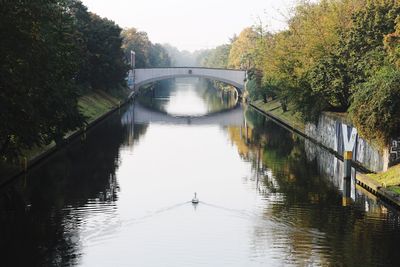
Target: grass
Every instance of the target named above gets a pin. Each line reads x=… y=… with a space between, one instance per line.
x=274 y=108
x=389 y=178
x=97 y=103
x=92 y=105
x=395 y=189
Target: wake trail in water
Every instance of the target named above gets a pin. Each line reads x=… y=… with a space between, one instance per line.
x=105 y=231
x=154 y=213
x=242 y=213
x=268 y=222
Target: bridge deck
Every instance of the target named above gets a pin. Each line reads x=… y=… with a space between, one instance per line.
x=236 y=78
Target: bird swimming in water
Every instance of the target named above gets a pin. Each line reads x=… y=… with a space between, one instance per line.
x=195 y=200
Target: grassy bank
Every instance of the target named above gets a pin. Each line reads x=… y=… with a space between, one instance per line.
x=92 y=105
x=274 y=108
x=97 y=103
x=389 y=179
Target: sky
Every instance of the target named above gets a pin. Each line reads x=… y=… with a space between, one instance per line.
x=193 y=25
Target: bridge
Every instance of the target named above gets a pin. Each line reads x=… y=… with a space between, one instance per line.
x=236 y=78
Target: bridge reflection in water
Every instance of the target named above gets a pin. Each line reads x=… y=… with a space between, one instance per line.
x=143 y=115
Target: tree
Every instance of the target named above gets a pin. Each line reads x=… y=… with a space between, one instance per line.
x=330 y=79
x=242 y=51
x=376 y=107
x=82 y=21
x=327 y=80
x=102 y=60
x=134 y=40
x=147 y=54
x=107 y=65
x=158 y=56
x=215 y=58
x=38 y=65
x=392 y=45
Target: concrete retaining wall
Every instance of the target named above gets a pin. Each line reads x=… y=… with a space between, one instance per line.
x=329 y=132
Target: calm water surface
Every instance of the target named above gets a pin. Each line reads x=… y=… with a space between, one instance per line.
x=121 y=197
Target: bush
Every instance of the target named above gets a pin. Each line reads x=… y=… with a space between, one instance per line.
x=375 y=110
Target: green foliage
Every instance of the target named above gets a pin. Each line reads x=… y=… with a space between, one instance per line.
x=215 y=58
x=102 y=59
x=254 y=84
x=107 y=68
x=392 y=45
x=376 y=106
x=329 y=79
x=307 y=102
x=158 y=56
x=38 y=63
x=50 y=50
x=358 y=55
x=242 y=53
x=330 y=51
x=147 y=54
x=252 y=88
x=134 y=40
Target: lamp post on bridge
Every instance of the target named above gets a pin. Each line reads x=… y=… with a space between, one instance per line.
x=133 y=59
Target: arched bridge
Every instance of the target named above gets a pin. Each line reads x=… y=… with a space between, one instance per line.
x=236 y=78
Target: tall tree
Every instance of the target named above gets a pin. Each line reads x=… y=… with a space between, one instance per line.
x=107 y=63
x=39 y=61
x=158 y=56
x=242 y=52
x=359 y=54
x=215 y=58
x=134 y=40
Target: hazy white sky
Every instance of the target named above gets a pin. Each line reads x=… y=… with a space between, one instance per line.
x=189 y=24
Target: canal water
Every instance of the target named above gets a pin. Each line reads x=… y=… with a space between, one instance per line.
x=121 y=196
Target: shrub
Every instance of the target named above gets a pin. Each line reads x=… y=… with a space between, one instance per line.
x=375 y=110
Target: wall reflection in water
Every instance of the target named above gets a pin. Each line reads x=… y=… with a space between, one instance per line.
x=302 y=185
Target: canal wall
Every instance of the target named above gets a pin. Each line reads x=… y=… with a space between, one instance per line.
x=329 y=132
x=332 y=169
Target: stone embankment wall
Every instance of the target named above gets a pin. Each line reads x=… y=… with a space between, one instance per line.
x=394 y=151
x=329 y=132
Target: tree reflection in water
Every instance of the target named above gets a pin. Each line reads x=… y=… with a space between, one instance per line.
x=301 y=188
x=37 y=211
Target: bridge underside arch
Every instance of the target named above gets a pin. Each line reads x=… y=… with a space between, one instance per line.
x=239 y=87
